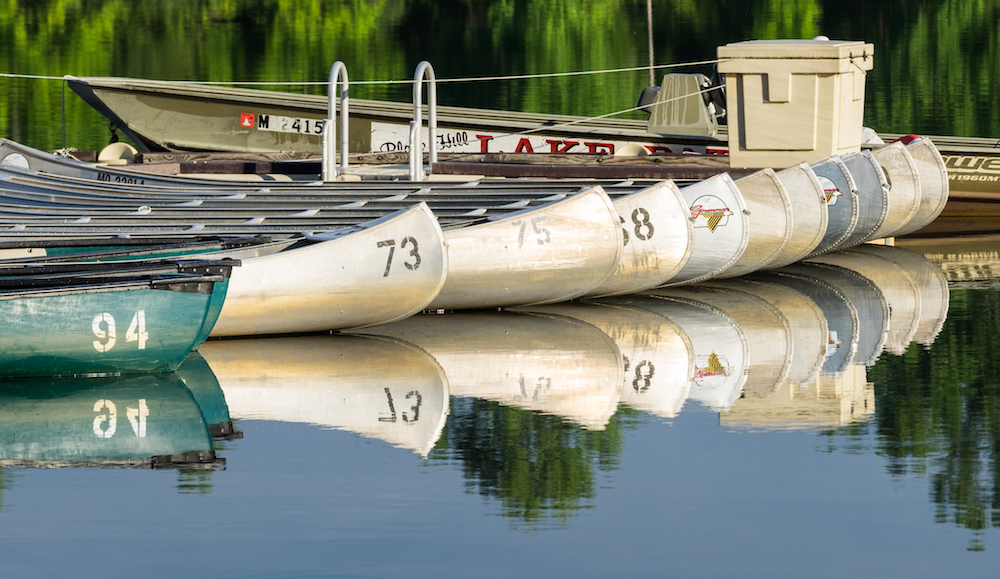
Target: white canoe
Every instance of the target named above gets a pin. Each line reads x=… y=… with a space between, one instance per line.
x=809 y=214
x=658 y=239
x=377 y=387
x=388 y=269
x=933 y=184
x=769 y=212
x=548 y=254
x=841 y=202
x=721 y=228
x=873 y=204
x=904 y=188
x=538 y=362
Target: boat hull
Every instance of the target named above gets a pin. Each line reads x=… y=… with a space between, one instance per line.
x=102 y=331
x=657 y=239
x=386 y=271
x=550 y=254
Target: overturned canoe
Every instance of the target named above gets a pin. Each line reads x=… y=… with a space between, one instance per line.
x=769 y=212
x=873 y=204
x=808 y=214
x=720 y=225
x=933 y=184
x=904 y=188
x=658 y=239
x=549 y=254
x=105 y=321
x=841 y=202
x=348 y=279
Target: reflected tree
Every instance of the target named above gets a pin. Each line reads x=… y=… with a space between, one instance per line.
x=537 y=465
x=939 y=412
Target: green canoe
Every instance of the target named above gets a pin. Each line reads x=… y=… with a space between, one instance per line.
x=75 y=319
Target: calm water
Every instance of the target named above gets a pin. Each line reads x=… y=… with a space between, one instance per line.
x=818 y=424
x=567 y=441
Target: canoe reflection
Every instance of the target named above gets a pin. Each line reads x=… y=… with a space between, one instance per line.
x=142 y=421
x=719 y=345
x=657 y=356
x=783 y=349
x=552 y=364
x=195 y=373
x=377 y=387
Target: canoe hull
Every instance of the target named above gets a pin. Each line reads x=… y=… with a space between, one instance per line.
x=550 y=254
x=657 y=236
x=101 y=332
x=386 y=271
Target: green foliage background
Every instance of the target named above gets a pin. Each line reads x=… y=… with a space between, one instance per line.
x=936 y=61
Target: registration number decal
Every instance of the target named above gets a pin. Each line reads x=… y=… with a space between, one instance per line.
x=280 y=124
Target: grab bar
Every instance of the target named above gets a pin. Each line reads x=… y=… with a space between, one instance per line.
x=416 y=136
x=337 y=71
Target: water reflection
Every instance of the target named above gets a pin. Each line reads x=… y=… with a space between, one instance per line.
x=377 y=387
x=535 y=404
x=142 y=421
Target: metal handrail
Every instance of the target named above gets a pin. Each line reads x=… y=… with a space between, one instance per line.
x=337 y=72
x=416 y=136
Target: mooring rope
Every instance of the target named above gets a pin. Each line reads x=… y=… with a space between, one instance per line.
x=410 y=81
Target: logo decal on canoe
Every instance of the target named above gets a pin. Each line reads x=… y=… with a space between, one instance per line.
x=246 y=120
x=713 y=366
x=833 y=343
x=709 y=211
x=830 y=190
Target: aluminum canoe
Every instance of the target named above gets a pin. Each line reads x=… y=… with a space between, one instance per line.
x=657 y=236
x=549 y=254
x=841 y=202
x=933 y=185
x=389 y=269
x=770 y=220
x=904 y=188
x=873 y=204
x=808 y=214
x=721 y=229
